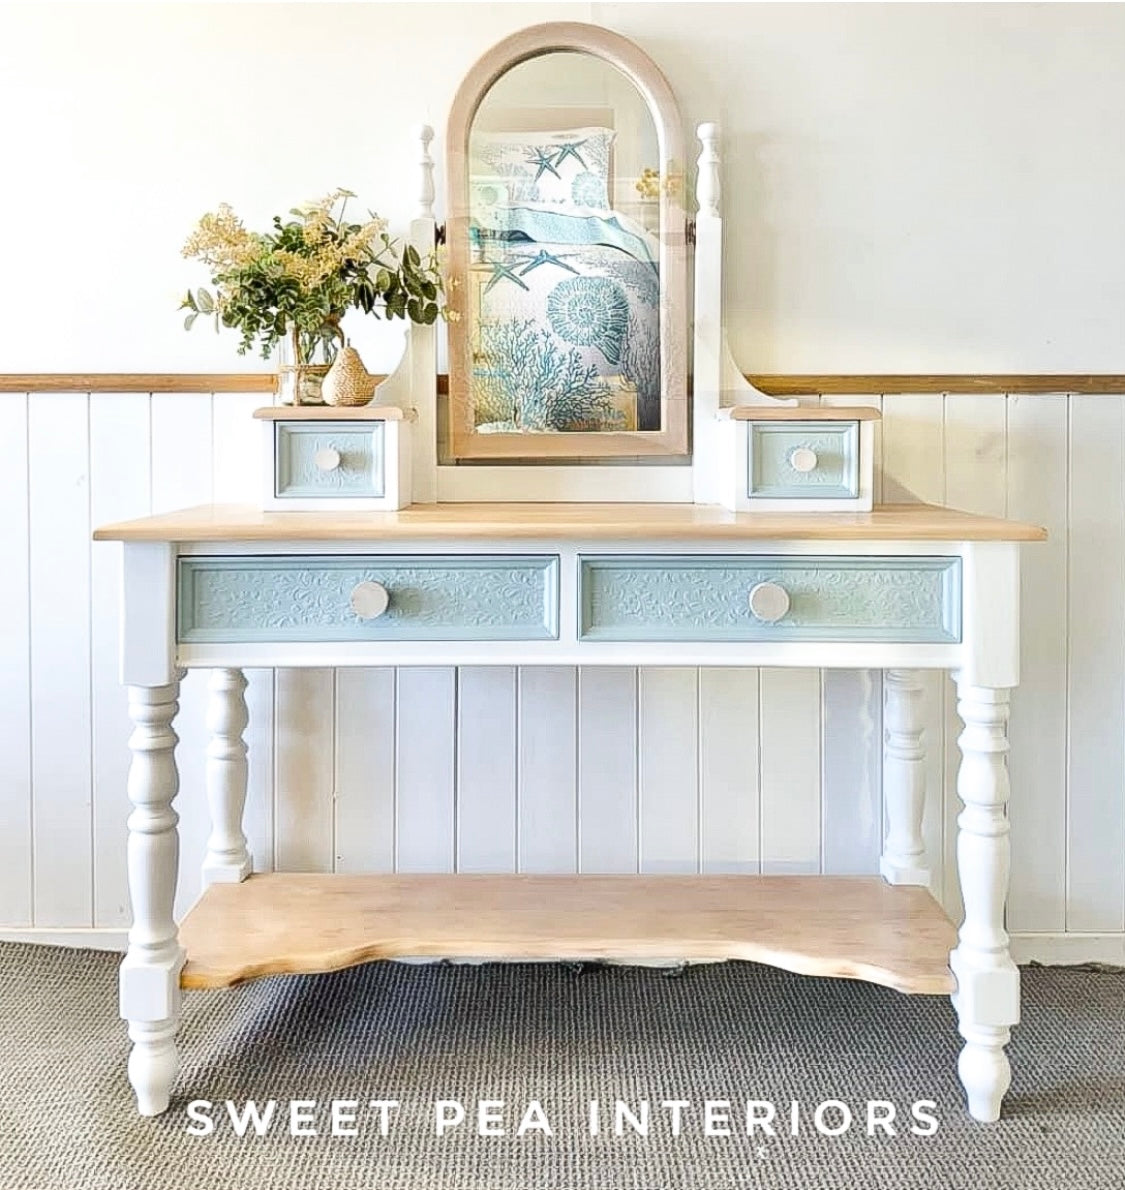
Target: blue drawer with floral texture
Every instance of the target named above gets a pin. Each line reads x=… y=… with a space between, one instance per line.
x=675 y=598
x=364 y=597
x=328 y=459
x=811 y=460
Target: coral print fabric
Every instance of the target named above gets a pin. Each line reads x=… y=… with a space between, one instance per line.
x=566 y=290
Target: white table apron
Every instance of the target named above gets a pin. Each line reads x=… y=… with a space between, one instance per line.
x=162 y=636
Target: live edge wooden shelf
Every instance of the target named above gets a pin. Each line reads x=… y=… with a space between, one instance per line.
x=851 y=926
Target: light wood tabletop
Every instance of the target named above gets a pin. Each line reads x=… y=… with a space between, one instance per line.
x=609 y=522
x=330 y=413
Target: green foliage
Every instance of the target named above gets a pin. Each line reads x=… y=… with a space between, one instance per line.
x=304 y=274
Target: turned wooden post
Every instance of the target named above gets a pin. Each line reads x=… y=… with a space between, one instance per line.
x=150 y=972
x=227 y=860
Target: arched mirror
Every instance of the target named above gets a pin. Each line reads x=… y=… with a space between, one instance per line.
x=566 y=253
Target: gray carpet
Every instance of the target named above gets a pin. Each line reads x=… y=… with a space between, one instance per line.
x=515 y=1032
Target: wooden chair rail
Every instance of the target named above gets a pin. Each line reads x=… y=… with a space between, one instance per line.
x=781 y=385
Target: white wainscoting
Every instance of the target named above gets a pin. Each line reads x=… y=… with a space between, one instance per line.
x=558 y=769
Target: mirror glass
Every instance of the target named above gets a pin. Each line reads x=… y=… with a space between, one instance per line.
x=563 y=279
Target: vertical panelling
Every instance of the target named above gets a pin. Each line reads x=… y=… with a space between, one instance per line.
x=668 y=769
x=237 y=447
x=607 y=769
x=120 y=485
x=548 y=769
x=625 y=771
x=852 y=731
x=365 y=770
x=789 y=726
x=59 y=586
x=259 y=816
x=181 y=470
x=236 y=478
x=1096 y=685
x=914 y=470
x=15 y=674
x=852 y=770
x=1037 y=487
x=976 y=464
x=729 y=798
x=486 y=769
x=425 y=795
x=304 y=714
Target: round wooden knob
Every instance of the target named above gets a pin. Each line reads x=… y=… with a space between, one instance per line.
x=327 y=458
x=803 y=459
x=369 y=599
x=769 y=602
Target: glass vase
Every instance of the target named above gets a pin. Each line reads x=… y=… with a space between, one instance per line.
x=301 y=369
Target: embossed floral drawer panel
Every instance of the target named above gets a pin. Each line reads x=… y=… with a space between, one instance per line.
x=632 y=598
x=328 y=459
x=350 y=597
x=803 y=460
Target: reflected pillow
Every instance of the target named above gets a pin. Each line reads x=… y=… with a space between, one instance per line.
x=568 y=167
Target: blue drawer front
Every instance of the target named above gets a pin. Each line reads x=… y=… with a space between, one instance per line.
x=630 y=598
x=359 y=472
x=770 y=473
x=307 y=598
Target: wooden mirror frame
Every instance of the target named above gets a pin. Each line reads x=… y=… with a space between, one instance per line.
x=672 y=437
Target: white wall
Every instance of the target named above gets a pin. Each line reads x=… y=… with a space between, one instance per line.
x=921 y=187
x=916 y=188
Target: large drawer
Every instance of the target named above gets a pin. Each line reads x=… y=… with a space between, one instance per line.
x=753 y=597
x=364 y=597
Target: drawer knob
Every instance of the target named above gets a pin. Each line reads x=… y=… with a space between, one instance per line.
x=369 y=599
x=803 y=459
x=327 y=458
x=768 y=602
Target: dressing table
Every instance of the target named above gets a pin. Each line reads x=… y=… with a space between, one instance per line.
x=763 y=550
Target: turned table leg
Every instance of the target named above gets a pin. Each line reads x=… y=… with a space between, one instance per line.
x=904 y=778
x=227 y=861
x=988 y=986
x=150 y=972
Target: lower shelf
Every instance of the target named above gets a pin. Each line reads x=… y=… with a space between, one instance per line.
x=855 y=927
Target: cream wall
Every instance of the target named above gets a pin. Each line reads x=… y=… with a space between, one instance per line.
x=911 y=187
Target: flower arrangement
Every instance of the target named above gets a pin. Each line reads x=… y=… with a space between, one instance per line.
x=648 y=184
x=302 y=276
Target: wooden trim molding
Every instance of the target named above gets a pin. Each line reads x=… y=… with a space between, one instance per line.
x=138 y=382
x=877 y=384
x=776 y=385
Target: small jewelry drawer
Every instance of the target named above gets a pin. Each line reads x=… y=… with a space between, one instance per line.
x=329 y=460
x=758 y=598
x=798 y=460
x=812 y=459
x=361 y=597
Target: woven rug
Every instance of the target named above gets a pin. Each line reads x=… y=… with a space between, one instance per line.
x=556 y=1037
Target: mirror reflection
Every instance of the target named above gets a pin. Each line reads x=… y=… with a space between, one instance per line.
x=563 y=277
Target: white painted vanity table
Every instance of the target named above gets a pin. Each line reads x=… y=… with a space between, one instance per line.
x=759 y=548
x=899 y=588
